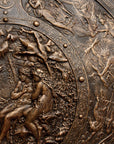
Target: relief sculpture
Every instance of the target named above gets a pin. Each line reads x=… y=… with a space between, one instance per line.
x=37 y=97
x=52 y=11
x=6 y=4
x=56 y=72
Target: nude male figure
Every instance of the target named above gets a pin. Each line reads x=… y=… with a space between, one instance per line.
x=44 y=102
x=21 y=105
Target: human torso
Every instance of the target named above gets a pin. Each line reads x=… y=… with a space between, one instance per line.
x=26 y=97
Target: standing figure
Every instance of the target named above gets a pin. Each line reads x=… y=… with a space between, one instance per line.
x=42 y=96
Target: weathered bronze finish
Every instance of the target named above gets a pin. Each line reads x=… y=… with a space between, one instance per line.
x=56 y=72
x=5 y=19
x=108 y=5
x=36 y=23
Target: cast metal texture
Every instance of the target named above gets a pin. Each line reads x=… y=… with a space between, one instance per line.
x=56 y=72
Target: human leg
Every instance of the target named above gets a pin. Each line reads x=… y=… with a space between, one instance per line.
x=7 y=109
x=29 y=122
x=7 y=121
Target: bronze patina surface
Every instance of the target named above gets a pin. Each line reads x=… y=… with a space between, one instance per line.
x=108 y=5
x=56 y=72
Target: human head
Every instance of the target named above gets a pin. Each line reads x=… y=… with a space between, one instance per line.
x=36 y=76
x=24 y=74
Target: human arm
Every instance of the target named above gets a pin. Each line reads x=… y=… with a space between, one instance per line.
x=16 y=94
x=27 y=52
x=37 y=91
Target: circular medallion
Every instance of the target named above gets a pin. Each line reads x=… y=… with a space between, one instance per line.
x=37 y=86
x=56 y=72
